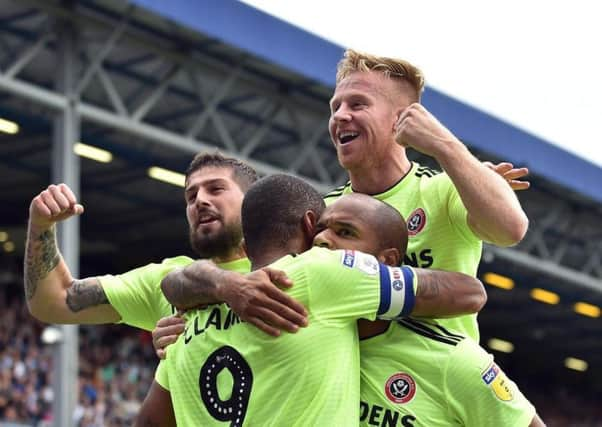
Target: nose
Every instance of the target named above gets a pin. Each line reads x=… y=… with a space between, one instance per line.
x=322 y=240
x=202 y=199
x=342 y=114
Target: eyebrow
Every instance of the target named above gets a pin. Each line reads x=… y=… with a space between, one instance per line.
x=346 y=224
x=339 y=223
x=206 y=183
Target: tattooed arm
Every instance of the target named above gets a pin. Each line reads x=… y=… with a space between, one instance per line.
x=52 y=294
x=446 y=294
x=255 y=297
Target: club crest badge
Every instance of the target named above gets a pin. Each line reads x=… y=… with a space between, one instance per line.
x=400 y=388
x=416 y=222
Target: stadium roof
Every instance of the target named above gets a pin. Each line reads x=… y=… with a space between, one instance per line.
x=281 y=43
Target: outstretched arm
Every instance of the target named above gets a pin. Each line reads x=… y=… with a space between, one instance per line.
x=255 y=297
x=53 y=294
x=443 y=294
x=494 y=212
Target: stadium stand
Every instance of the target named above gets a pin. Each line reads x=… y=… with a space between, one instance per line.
x=116 y=367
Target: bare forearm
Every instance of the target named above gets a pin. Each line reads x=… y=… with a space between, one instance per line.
x=53 y=295
x=494 y=212
x=41 y=258
x=194 y=285
x=446 y=294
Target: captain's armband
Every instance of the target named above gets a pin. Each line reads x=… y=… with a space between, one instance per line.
x=397 y=292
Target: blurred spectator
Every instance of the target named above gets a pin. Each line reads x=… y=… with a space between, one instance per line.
x=116 y=367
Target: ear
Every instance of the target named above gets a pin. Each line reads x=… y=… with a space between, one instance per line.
x=398 y=112
x=310 y=220
x=390 y=256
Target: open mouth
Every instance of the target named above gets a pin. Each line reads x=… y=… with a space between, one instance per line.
x=347 y=136
x=204 y=220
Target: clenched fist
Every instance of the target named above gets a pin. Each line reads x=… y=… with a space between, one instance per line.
x=419 y=129
x=52 y=205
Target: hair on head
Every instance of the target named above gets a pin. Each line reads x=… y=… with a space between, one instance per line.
x=243 y=174
x=396 y=69
x=273 y=210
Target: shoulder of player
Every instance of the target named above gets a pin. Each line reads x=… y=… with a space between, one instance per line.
x=322 y=260
x=165 y=264
x=468 y=359
x=177 y=261
x=154 y=272
x=337 y=192
x=318 y=256
x=425 y=172
x=459 y=357
x=433 y=333
x=434 y=186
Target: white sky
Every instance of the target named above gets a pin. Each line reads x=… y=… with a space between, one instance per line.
x=536 y=64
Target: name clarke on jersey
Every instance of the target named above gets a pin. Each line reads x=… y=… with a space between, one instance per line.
x=216 y=319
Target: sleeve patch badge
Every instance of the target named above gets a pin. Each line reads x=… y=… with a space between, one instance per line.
x=367 y=263
x=348 y=258
x=364 y=262
x=495 y=378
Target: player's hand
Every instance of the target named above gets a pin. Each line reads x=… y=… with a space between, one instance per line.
x=417 y=128
x=166 y=332
x=511 y=174
x=259 y=301
x=54 y=204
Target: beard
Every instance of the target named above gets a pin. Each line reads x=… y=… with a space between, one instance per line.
x=219 y=245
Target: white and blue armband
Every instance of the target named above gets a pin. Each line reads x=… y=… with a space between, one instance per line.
x=397 y=292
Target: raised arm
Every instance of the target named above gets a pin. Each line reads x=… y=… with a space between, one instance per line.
x=494 y=212
x=255 y=297
x=53 y=294
x=443 y=294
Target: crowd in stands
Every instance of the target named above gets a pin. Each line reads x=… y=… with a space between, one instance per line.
x=116 y=366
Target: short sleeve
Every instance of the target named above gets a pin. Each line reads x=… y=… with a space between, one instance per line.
x=161 y=375
x=456 y=211
x=479 y=393
x=348 y=284
x=136 y=295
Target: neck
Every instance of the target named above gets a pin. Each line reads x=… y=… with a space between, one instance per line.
x=234 y=255
x=379 y=175
x=268 y=255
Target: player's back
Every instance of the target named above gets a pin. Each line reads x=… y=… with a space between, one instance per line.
x=241 y=376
